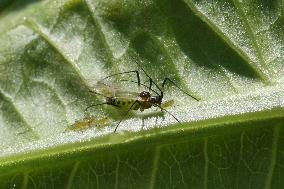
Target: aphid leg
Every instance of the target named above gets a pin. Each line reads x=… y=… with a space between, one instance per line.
x=162 y=109
x=174 y=84
x=136 y=101
x=150 y=84
x=100 y=103
x=96 y=104
x=150 y=78
x=143 y=124
x=142 y=85
x=121 y=73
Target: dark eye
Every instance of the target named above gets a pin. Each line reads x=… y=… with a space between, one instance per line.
x=145 y=94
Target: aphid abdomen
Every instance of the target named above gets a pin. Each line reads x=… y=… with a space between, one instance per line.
x=124 y=103
x=110 y=100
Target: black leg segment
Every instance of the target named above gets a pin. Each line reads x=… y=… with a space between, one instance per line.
x=167 y=80
x=136 y=101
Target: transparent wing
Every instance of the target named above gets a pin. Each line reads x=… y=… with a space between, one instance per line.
x=114 y=91
x=126 y=95
x=104 y=89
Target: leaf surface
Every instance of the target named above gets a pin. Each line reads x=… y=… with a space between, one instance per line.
x=228 y=53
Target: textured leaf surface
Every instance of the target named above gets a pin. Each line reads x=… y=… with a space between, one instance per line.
x=227 y=53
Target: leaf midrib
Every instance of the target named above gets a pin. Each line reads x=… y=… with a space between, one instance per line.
x=112 y=143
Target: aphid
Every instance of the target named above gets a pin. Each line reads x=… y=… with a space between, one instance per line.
x=88 y=122
x=132 y=100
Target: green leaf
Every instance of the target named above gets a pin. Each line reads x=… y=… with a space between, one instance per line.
x=228 y=53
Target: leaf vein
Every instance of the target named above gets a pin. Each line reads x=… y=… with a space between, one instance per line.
x=251 y=35
x=231 y=44
x=56 y=96
x=72 y=175
x=206 y=161
x=273 y=156
x=155 y=167
x=16 y=110
x=97 y=24
x=25 y=181
x=37 y=29
x=117 y=172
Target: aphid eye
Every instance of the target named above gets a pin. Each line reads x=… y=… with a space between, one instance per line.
x=129 y=102
x=118 y=102
x=144 y=94
x=123 y=103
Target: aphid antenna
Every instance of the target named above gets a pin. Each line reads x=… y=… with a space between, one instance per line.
x=142 y=85
x=133 y=71
x=174 y=84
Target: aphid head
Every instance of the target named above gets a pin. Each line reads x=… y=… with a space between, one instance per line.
x=144 y=95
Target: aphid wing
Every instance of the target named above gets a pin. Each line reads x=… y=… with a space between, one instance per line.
x=112 y=91
x=126 y=95
x=104 y=89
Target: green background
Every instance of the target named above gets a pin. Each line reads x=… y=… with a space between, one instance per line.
x=228 y=53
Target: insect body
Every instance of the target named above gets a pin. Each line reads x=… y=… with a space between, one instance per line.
x=132 y=100
x=115 y=96
x=88 y=122
x=123 y=101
